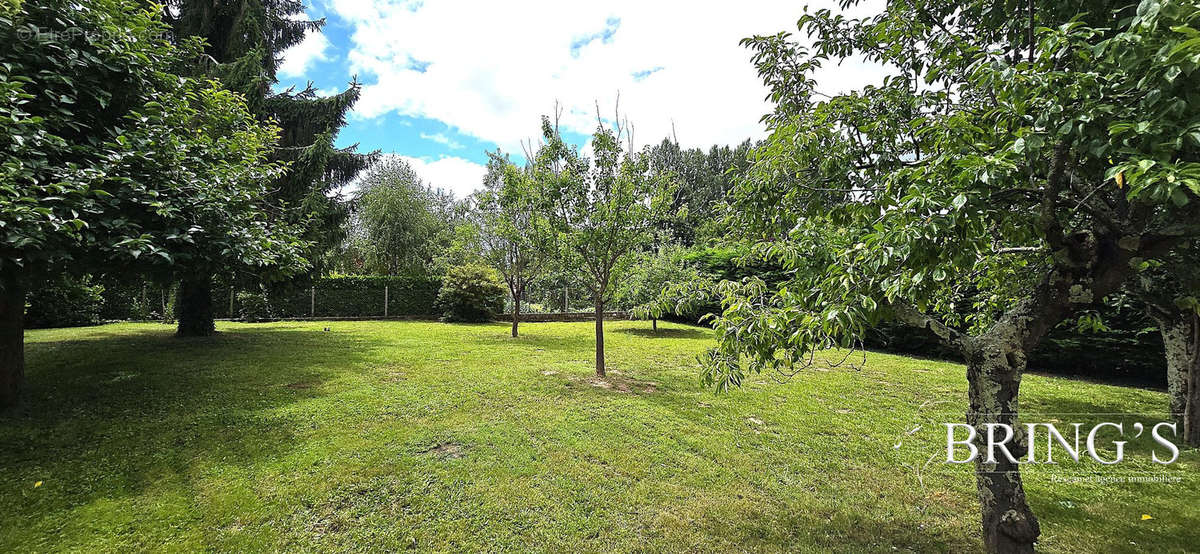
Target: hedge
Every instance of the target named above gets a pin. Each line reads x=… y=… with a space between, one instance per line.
x=355 y=296
x=342 y=296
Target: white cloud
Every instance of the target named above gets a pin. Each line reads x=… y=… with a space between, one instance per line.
x=490 y=69
x=450 y=173
x=441 y=138
x=298 y=59
x=457 y=175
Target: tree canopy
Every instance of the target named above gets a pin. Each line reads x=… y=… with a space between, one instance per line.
x=603 y=209
x=1009 y=173
x=96 y=170
x=515 y=232
x=243 y=42
x=400 y=224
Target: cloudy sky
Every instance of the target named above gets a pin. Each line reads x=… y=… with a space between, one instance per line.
x=447 y=80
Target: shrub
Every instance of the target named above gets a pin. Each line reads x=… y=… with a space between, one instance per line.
x=471 y=293
x=130 y=298
x=254 y=306
x=65 y=302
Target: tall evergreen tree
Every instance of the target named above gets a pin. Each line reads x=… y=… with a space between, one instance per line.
x=244 y=41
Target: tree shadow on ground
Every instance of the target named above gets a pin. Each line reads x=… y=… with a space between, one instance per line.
x=664 y=333
x=116 y=413
x=529 y=337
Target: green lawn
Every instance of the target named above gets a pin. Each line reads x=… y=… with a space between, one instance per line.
x=390 y=435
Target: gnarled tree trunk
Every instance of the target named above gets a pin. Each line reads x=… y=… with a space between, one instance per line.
x=12 y=338
x=1181 y=335
x=1191 y=413
x=194 y=307
x=994 y=368
x=1181 y=340
x=600 y=338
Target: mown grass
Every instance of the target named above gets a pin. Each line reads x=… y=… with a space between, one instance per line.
x=417 y=435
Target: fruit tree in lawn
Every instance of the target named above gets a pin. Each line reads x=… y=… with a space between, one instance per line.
x=1019 y=163
x=514 y=230
x=602 y=209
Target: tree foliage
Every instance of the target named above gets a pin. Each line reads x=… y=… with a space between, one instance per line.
x=97 y=172
x=515 y=233
x=243 y=42
x=111 y=159
x=660 y=283
x=603 y=209
x=695 y=211
x=400 y=225
x=1016 y=168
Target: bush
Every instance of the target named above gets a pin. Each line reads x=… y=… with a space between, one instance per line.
x=471 y=293
x=66 y=302
x=254 y=306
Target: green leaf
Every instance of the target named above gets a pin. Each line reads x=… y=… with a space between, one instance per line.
x=959 y=201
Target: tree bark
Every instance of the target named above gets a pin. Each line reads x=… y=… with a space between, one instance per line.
x=994 y=368
x=600 y=339
x=1179 y=342
x=516 y=313
x=1191 y=413
x=194 y=308
x=12 y=338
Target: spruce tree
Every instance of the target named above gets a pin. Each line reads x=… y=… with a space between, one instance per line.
x=244 y=42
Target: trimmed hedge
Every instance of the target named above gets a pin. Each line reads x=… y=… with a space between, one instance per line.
x=355 y=296
x=342 y=296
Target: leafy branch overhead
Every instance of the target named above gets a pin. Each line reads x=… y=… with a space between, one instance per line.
x=1008 y=175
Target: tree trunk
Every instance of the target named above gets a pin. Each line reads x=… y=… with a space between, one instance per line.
x=600 y=338
x=1191 y=414
x=1179 y=334
x=994 y=368
x=194 y=308
x=654 y=324
x=12 y=338
x=516 y=313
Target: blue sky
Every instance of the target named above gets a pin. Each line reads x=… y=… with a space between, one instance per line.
x=445 y=81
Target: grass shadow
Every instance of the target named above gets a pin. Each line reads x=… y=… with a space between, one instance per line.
x=664 y=333
x=117 y=412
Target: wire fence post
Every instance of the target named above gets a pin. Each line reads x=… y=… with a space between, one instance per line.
x=385 y=300
x=312 y=299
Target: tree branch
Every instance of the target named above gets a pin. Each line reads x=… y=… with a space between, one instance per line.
x=909 y=315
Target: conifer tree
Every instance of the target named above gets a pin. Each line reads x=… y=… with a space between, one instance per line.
x=244 y=42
